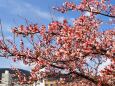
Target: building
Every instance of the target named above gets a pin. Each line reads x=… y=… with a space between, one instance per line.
x=46 y=82
x=6 y=78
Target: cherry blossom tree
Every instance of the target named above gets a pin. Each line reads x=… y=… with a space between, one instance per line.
x=71 y=53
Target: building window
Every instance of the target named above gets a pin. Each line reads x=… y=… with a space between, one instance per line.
x=41 y=80
x=51 y=84
x=46 y=84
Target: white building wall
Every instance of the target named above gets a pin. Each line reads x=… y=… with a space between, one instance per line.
x=39 y=83
x=6 y=79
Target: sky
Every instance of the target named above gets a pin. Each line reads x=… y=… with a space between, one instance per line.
x=14 y=12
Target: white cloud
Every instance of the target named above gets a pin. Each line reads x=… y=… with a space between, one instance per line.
x=7 y=37
x=17 y=7
x=72 y=19
x=87 y=14
x=60 y=19
x=21 y=65
x=8 y=63
x=105 y=64
x=28 y=8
